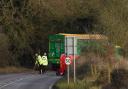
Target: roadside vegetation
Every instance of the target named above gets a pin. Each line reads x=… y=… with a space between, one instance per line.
x=98 y=70
x=13 y=69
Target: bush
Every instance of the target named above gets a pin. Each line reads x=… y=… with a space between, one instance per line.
x=119 y=78
x=4 y=53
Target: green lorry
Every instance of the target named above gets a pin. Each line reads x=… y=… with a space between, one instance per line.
x=70 y=44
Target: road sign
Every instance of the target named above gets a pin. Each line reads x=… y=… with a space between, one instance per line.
x=67 y=61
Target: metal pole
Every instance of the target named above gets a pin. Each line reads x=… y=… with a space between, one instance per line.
x=74 y=61
x=68 y=73
x=66 y=44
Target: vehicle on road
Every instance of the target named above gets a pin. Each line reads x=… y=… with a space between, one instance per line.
x=71 y=45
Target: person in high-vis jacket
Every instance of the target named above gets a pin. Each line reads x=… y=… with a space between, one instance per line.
x=45 y=62
x=39 y=63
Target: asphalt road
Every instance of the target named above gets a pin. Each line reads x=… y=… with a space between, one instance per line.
x=28 y=81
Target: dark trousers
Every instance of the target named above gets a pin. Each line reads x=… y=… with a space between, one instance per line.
x=42 y=69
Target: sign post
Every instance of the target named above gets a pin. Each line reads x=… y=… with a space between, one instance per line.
x=68 y=73
x=68 y=62
x=74 y=59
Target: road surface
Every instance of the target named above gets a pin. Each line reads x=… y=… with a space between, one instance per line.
x=28 y=81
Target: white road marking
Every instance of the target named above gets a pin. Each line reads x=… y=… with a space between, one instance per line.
x=50 y=87
x=10 y=83
x=2 y=84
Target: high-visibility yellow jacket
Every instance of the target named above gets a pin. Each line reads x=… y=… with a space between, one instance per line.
x=39 y=60
x=45 y=60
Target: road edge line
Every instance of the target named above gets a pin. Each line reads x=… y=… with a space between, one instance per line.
x=51 y=86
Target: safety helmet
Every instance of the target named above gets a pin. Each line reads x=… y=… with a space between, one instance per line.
x=45 y=54
x=36 y=54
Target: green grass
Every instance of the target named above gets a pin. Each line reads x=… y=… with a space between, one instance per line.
x=80 y=84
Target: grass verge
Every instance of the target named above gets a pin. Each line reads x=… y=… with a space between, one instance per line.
x=13 y=69
x=80 y=84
